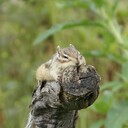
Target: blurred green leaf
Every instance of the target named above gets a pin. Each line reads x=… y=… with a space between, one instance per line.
x=75 y=3
x=115 y=4
x=41 y=37
x=104 y=102
x=112 y=56
x=124 y=72
x=97 y=124
x=117 y=116
x=110 y=85
x=100 y=3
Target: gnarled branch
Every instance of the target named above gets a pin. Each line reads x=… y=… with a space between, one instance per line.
x=55 y=104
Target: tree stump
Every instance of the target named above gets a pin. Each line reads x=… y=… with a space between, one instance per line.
x=55 y=104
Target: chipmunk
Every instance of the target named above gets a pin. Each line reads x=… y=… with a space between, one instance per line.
x=63 y=58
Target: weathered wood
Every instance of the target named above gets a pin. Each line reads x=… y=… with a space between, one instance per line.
x=55 y=104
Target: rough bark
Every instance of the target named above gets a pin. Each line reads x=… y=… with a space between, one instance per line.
x=55 y=104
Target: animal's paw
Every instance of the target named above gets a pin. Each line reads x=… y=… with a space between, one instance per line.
x=59 y=78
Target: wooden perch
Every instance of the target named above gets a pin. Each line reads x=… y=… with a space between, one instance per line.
x=55 y=104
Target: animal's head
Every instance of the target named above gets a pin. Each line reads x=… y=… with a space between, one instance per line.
x=70 y=56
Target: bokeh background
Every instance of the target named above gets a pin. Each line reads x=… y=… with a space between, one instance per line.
x=30 y=31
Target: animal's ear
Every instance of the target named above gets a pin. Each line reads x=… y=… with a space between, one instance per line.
x=59 y=52
x=72 y=46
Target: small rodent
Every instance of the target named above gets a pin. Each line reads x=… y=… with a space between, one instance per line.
x=64 y=57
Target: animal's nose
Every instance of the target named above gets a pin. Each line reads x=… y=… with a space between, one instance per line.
x=77 y=64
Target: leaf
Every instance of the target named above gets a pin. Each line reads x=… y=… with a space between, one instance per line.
x=97 y=53
x=97 y=124
x=115 y=4
x=44 y=35
x=99 y=3
x=76 y=3
x=124 y=72
x=104 y=102
x=111 y=56
x=111 y=85
x=117 y=116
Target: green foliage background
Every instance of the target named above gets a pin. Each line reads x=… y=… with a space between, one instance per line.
x=30 y=30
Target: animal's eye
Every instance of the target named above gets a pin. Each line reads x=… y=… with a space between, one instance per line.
x=66 y=57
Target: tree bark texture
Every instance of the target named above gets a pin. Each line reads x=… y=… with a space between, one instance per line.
x=55 y=104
